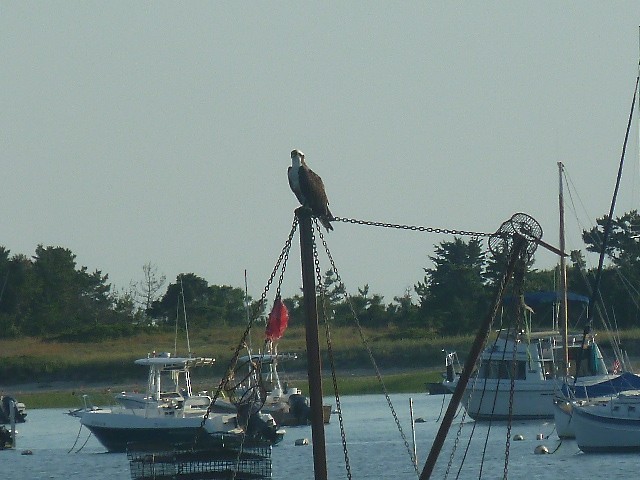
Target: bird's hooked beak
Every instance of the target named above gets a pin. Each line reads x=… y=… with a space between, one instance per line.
x=297 y=153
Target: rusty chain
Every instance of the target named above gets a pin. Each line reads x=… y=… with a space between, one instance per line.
x=282 y=260
x=365 y=342
x=323 y=303
x=417 y=228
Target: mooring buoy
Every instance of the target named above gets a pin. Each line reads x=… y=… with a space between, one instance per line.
x=541 y=450
x=518 y=437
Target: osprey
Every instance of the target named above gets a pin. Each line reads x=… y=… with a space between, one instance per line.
x=309 y=189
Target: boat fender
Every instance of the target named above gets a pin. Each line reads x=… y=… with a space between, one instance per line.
x=302 y=441
x=541 y=450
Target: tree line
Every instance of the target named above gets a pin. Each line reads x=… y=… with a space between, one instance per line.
x=50 y=296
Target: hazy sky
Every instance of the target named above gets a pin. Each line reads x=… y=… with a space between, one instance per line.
x=160 y=131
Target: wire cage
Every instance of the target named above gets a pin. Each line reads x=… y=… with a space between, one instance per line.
x=220 y=457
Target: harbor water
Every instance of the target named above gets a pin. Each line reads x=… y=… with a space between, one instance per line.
x=60 y=449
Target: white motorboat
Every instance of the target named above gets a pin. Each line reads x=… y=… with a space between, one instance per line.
x=169 y=412
x=518 y=373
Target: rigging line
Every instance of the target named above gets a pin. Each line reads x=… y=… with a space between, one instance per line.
x=367 y=346
x=77 y=437
x=284 y=254
x=518 y=286
x=323 y=303
x=441 y=409
x=607 y=228
x=477 y=367
x=497 y=389
x=85 y=443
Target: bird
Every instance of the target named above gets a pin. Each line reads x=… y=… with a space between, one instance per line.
x=309 y=189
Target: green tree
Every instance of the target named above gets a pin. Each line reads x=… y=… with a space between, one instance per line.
x=452 y=295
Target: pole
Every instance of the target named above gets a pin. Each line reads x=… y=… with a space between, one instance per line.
x=413 y=433
x=563 y=280
x=12 y=420
x=476 y=348
x=314 y=367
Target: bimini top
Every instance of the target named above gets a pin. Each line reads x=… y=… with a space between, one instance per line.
x=538 y=298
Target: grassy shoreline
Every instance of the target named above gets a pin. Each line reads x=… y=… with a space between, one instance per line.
x=352 y=384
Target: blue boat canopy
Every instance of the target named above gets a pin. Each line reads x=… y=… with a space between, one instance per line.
x=538 y=298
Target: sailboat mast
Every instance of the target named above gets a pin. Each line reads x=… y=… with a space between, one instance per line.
x=563 y=280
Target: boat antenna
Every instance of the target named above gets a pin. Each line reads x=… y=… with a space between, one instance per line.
x=246 y=308
x=184 y=312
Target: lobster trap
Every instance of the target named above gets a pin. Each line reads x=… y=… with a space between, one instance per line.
x=222 y=458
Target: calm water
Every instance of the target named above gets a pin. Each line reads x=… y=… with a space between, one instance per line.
x=375 y=448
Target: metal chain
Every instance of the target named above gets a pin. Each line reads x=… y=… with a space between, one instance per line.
x=446 y=231
x=323 y=303
x=499 y=294
x=518 y=281
x=282 y=259
x=368 y=348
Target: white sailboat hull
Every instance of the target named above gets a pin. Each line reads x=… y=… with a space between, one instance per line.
x=610 y=427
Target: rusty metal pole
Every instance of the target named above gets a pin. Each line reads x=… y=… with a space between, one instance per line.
x=314 y=366
x=474 y=353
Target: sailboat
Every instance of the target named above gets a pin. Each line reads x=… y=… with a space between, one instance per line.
x=580 y=391
x=609 y=424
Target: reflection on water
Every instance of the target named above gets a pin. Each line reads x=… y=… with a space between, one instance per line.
x=375 y=448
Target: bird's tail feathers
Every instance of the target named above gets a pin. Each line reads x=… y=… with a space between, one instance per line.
x=326 y=222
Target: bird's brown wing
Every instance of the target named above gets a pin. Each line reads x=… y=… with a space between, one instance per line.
x=312 y=184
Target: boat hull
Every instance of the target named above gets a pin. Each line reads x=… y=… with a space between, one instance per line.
x=116 y=431
x=531 y=401
x=597 y=432
x=563 y=418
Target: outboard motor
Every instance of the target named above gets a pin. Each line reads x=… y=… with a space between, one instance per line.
x=5 y=438
x=299 y=407
x=5 y=410
x=260 y=428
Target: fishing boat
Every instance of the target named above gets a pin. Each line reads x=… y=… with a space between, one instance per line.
x=518 y=373
x=169 y=412
x=284 y=402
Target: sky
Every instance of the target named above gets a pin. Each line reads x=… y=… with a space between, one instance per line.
x=160 y=131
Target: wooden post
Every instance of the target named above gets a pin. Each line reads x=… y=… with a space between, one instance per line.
x=314 y=367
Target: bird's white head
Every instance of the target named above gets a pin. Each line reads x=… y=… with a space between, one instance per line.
x=297 y=157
